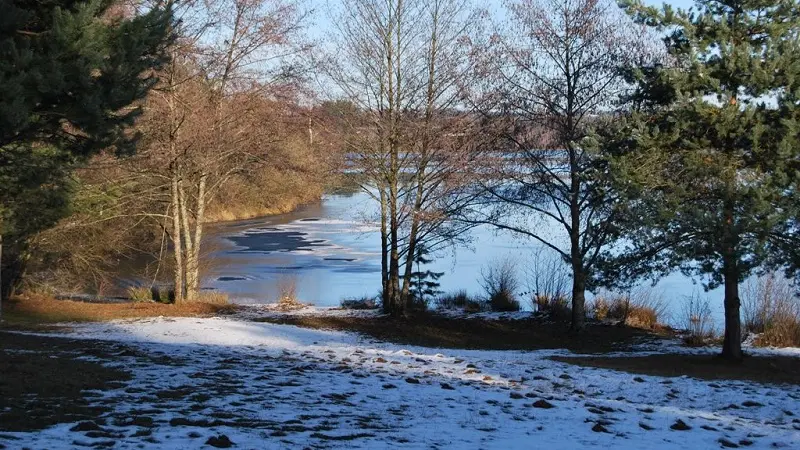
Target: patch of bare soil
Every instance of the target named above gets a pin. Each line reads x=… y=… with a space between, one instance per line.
x=431 y=330
x=761 y=369
x=44 y=383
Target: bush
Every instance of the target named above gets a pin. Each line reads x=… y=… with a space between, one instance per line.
x=500 y=283
x=453 y=300
x=287 y=294
x=212 y=298
x=558 y=307
x=138 y=294
x=697 y=321
x=640 y=308
x=548 y=276
x=772 y=311
x=460 y=300
x=360 y=303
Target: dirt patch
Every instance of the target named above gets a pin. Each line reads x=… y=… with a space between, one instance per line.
x=43 y=383
x=761 y=369
x=445 y=332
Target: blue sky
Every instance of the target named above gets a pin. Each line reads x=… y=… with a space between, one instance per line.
x=321 y=22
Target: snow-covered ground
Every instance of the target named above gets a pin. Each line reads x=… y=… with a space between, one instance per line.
x=277 y=386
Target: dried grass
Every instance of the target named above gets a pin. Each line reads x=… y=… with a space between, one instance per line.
x=34 y=309
x=771 y=310
x=640 y=308
x=697 y=321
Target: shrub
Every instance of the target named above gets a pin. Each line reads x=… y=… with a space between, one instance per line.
x=360 y=303
x=771 y=310
x=558 y=308
x=697 y=321
x=640 y=308
x=500 y=283
x=287 y=294
x=138 y=294
x=212 y=298
x=548 y=276
x=453 y=300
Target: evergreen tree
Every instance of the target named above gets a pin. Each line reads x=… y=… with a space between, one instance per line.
x=71 y=74
x=709 y=158
x=424 y=283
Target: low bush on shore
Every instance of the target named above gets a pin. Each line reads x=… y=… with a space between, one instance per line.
x=500 y=283
x=362 y=303
x=640 y=308
x=696 y=320
x=771 y=311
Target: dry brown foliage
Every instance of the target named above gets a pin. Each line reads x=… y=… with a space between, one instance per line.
x=34 y=309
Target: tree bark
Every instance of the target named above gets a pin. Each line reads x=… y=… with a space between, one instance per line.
x=732 y=344
x=193 y=262
x=176 y=242
x=386 y=292
x=578 y=298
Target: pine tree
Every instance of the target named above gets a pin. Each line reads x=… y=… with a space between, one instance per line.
x=71 y=74
x=424 y=283
x=709 y=159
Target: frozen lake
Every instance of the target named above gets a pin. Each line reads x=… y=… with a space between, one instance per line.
x=331 y=250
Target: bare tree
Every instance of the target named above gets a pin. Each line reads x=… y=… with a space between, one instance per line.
x=234 y=56
x=400 y=63
x=551 y=74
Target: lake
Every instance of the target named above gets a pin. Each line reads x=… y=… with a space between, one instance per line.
x=330 y=250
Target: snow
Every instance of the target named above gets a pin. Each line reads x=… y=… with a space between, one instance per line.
x=280 y=386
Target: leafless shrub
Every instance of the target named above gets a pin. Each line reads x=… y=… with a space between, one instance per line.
x=697 y=321
x=548 y=278
x=642 y=307
x=139 y=294
x=212 y=298
x=500 y=283
x=771 y=309
x=460 y=300
x=558 y=308
x=287 y=294
x=360 y=303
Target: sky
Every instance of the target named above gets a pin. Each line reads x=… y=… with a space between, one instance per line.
x=322 y=22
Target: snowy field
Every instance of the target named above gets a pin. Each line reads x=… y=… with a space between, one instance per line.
x=277 y=386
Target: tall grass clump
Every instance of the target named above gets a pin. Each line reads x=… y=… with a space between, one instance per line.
x=697 y=321
x=140 y=294
x=459 y=300
x=287 y=294
x=212 y=298
x=360 y=303
x=500 y=283
x=640 y=308
x=771 y=311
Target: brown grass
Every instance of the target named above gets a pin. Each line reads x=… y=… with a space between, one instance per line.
x=772 y=311
x=640 y=308
x=32 y=310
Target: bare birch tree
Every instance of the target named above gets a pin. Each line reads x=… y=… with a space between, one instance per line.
x=401 y=62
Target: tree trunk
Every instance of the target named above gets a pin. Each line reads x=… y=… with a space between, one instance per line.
x=386 y=292
x=193 y=262
x=2 y=291
x=186 y=231
x=578 y=297
x=176 y=242
x=398 y=306
x=732 y=344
